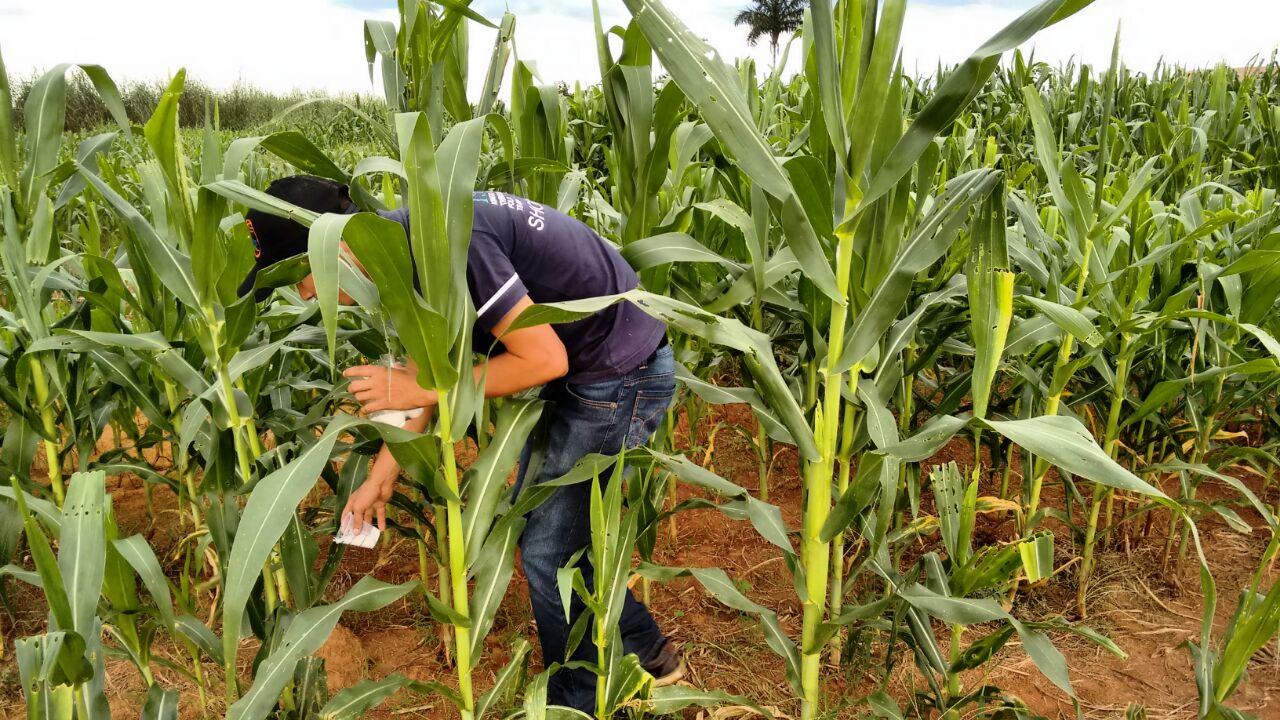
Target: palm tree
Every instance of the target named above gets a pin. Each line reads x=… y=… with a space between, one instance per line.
x=772 y=18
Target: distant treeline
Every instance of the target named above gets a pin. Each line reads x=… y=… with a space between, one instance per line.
x=240 y=108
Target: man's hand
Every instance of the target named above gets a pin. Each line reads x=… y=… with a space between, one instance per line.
x=377 y=387
x=369 y=501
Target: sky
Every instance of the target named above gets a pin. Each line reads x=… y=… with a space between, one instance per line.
x=307 y=45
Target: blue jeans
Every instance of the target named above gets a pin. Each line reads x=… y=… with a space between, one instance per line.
x=585 y=419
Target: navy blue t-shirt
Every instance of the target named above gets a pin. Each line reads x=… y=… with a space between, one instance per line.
x=520 y=247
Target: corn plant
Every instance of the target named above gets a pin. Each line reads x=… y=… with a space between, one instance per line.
x=952 y=591
x=64 y=669
x=1254 y=623
x=28 y=209
x=613 y=537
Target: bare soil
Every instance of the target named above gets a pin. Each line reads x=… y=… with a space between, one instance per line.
x=1149 y=611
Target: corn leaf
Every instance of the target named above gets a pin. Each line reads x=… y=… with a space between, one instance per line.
x=1066 y=443
x=492 y=572
x=274 y=501
x=161 y=704
x=8 y=136
x=486 y=480
x=305 y=634
x=507 y=680
x=45 y=114
x=171 y=265
x=713 y=86
x=959 y=89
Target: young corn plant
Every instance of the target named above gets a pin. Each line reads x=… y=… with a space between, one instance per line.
x=1255 y=622
x=953 y=591
x=613 y=539
x=63 y=671
x=39 y=387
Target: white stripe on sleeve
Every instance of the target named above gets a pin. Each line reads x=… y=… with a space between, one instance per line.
x=497 y=295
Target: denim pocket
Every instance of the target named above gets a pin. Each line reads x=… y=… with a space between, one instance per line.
x=647 y=414
x=652 y=382
x=603 y=396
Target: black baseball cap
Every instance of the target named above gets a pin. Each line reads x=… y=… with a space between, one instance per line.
x=276 y=238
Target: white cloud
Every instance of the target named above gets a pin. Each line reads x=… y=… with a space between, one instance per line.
x=317 y=44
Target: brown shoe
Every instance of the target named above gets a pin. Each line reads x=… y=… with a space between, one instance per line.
x=668 y=667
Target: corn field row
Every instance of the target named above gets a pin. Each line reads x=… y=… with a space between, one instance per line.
x=1074 y=270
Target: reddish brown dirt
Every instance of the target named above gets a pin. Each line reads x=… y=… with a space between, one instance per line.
x=1147 y=611
x=345 y=661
